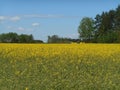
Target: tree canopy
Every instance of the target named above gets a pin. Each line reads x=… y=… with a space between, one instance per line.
x=15 y=38
x=86 y=28
x=57 y=39
x=104 y=28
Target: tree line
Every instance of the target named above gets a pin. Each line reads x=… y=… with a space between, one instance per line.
x=12 y=37
x=104 y=28
x=57 y=39
x=15 y=38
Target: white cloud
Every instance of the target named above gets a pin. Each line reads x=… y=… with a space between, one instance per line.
x=9 y=27
x=2 y=17
x=41 y=16
x=13 y=28
x=21 y=29
x=11 y=18
x=19 y=17
x=15 y=18
x=49 y=16
x=35 y=24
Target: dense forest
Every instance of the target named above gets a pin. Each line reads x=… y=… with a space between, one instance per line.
x=104 y=28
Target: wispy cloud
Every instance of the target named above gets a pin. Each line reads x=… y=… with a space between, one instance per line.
x=48 y=16
x=11 y=18
x=35 y=24
x=2 y=18
x=15 y=18
x=19 y=17
x=9 y=27
x=15 y=28
x=20 y=29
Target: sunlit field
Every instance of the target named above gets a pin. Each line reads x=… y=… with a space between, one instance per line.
x=59 y=66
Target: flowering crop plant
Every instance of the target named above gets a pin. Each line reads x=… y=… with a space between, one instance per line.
x=59 y=66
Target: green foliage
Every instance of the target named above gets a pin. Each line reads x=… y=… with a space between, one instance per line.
x=104 y=29
x=15 y=38
x=57 y=39
x=53 y=39
x=25 y=38
x=9 y=37
x=86 y=29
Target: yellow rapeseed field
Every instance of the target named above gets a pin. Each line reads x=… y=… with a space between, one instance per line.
x=60 y=66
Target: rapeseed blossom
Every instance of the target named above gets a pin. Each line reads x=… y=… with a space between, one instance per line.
x=64 y=67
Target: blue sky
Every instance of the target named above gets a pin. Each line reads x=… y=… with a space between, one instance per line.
x=47 y=17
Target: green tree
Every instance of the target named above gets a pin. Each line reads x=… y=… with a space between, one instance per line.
x=53 y=39
x=117 y=18
x=86 y=29
x=9 y=37
x=107 y=26
x=12 y=37
x=23 y=38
